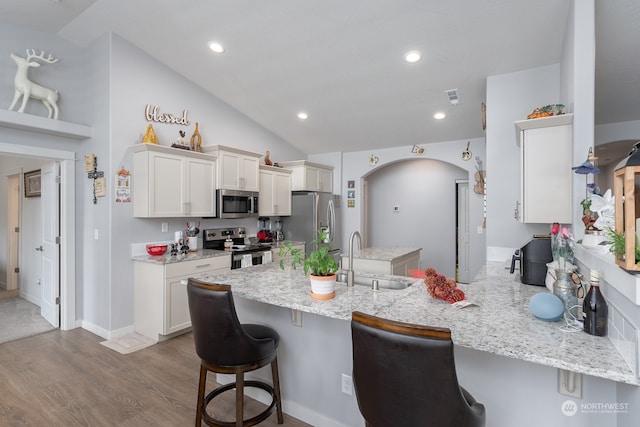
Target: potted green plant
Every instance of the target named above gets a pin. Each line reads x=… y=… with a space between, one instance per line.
x=319 y=264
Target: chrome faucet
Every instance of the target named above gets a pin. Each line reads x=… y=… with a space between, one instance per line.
x=350 y=272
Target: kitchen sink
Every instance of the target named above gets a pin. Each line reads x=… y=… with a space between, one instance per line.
x=383 y=283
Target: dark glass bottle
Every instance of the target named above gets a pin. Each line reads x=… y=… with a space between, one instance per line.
x=595 y=308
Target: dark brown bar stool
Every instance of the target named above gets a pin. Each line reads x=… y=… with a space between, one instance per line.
x=227 y=347
x=405 y=375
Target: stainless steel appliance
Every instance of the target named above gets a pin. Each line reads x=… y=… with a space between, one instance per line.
x=312 y=212
x=533 y=258
x=242 y=255
x=236 y=204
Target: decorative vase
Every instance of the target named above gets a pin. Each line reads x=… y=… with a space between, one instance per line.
x=323 y=287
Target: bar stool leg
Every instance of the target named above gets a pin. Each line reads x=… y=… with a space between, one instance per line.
x=276 y=389
x=239 y=399
x=201 y=388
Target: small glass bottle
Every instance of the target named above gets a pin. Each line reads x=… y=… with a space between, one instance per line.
x=595 y=308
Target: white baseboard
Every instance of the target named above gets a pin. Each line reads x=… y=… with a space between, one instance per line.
x=101 y=332
x=294 y=409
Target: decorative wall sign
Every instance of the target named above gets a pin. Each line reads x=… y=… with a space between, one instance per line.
x=351 y=194
x=32 y=183
x=351 y=203
x=95 y=174
x=123 y=186
x=152 y=114
x=351 y=184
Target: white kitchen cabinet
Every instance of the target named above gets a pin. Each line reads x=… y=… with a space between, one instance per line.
x=237 y=169
x=308 y=176
x=160 y=305
x=169 y=182
x=546 y=152
x=275 y=191
x=393 y=261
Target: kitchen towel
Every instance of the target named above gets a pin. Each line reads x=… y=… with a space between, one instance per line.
x=266 y=257
x=246 y=261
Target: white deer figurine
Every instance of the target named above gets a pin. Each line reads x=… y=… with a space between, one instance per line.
x=29 y=89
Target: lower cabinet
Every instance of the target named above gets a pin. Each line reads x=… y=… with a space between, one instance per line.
x=160 y=294
x=399 y=266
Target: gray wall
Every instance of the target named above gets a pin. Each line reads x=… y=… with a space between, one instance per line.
x=425 y=191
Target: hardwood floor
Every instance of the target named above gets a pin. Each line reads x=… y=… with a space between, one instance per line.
x=67 y=378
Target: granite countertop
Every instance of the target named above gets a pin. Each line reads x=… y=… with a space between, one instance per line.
x=382 y=254
x=501 y=324
x=189 y=256
x=199 y=254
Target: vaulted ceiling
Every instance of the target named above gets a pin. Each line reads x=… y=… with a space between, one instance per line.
x=342 y=62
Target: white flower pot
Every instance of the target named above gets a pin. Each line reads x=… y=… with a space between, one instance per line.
x=323 y=287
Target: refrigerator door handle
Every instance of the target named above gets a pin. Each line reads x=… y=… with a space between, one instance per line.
x=331 y=219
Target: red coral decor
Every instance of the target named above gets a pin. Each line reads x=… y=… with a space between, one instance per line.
x=441 y=287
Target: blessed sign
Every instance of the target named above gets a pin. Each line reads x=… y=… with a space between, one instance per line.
x=153 y=114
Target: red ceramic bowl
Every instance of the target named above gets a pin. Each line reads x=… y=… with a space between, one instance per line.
x=156 y=249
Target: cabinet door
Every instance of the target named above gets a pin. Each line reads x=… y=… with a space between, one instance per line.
x=311 y=178
x=249 y=167
x=265 y=201
x=546 y=174
x=200 y=188
x=325 y=180
x=282 y=194
x=229 y=174
x=176 y=310
x=166 y=185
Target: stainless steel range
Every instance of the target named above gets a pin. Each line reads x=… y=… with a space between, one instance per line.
x=242 y=255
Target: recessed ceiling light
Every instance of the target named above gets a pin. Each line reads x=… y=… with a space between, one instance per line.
x=439 y=116
x=303 y=116
x=216 y=47
x=413 y=56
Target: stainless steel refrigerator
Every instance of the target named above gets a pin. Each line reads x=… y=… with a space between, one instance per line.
x=312 y=212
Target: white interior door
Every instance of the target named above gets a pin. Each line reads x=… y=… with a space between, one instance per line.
x=463 y=231
x=50 y=191
x=13 y=228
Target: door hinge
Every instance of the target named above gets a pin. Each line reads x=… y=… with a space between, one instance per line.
x=57 y=240
x=16 y=270
x=58 y=180
x=57 y=300
x=17 y=229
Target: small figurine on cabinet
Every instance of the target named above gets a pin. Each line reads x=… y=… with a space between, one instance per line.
x=196 y=140
x=181 y=142
x=150 y=136
x=267 y=160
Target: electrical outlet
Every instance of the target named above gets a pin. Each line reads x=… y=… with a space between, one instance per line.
x=570 y=383
x=347 y=384
x=165 y=227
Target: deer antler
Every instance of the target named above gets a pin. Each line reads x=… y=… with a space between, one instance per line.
x=31 y=54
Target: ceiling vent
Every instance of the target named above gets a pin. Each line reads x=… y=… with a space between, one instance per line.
x=453 y=96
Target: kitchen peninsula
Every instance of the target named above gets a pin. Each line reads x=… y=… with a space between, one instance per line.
x=316 y=348
x=396 y=261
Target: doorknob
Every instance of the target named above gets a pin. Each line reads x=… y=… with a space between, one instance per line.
x=39 y=248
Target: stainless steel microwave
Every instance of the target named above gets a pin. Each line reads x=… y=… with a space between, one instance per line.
x=236 y=204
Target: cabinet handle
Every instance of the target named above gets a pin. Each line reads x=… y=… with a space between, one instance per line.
x=184 y=282
x=202 y=265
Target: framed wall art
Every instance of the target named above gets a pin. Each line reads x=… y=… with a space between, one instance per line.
x=32 y=183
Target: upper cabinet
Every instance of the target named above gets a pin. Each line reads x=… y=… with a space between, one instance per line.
x=545 y=169
x=237 y=169
x=308 y=176
x=275 y=191
x=169 y=182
